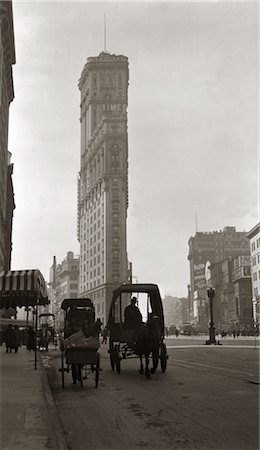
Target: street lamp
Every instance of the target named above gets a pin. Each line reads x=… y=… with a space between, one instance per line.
x=27 y=309
x=212 y=339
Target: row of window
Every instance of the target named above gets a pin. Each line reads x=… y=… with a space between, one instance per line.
x=256 y=260
x=254 y=275
x=255 y=244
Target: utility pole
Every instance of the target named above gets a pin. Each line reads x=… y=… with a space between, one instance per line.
x=212 y=338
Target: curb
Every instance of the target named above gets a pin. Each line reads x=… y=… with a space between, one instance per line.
x=52 y=410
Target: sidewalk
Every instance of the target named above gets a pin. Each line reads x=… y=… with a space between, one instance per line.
x=28 y=418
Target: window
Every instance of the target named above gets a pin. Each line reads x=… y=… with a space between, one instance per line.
x=114 y=193
x=73 y=287
x=115 y=205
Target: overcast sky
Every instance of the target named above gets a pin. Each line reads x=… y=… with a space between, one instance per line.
x=192 y=122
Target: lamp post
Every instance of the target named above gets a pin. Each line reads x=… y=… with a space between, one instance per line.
x=212 y=339
x=27 y=309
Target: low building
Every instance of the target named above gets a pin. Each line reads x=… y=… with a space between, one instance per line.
x=63 y=283
x=210 y=248
x=254 y=238
x=176 y=312
x=232 y=306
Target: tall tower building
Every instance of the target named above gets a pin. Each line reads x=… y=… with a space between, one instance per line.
x=103 y=179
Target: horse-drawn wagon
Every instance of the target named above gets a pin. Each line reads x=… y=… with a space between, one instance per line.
x=80 y=346
x=133 y=334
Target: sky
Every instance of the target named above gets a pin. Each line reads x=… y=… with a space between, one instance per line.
x=192 y=126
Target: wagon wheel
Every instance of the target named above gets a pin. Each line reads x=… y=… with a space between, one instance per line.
x=117 y=359
x=97 y=370
x=163 y=357
x=112 y=353
x=62 y=369
x=155 y=358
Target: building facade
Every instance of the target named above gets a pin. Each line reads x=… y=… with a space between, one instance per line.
x=206 y=248
x=103 y=179
x=232 y=303
x=63 y=283
x=7 y=205
x=254 y=239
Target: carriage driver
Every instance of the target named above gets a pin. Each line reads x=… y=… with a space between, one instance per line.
x=133 y=316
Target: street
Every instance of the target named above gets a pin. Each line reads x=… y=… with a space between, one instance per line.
x=208 y=398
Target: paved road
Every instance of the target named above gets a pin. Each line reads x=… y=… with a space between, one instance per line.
x=207 y=399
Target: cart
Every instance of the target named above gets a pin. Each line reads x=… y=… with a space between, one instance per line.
x=80 y=346
x=123 y=341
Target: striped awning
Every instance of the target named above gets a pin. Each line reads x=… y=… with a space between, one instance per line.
x=22 y=288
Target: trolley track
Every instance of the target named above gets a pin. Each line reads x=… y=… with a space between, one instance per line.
x=182 y=409
x=204 y=368
x=226 y=369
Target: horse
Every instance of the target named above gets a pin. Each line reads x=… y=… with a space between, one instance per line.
x=147 y=342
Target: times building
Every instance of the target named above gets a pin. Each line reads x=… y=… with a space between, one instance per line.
x=103 y=179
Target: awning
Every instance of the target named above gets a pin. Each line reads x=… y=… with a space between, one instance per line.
x=22 y=288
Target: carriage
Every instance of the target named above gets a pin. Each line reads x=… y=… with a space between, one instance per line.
x=126 y=342
x=80 y=345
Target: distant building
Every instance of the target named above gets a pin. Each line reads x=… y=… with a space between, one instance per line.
x=103 y=179
x=7 y=204
x=63 y=283
x=176 y=311
x=232 y=305
x=211 y=247
x=254 y=238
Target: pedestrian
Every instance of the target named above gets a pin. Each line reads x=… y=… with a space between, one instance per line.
x=9 y=339
x=31 y=339
x=46 y=338
x=97 y=328
x=104 y=336
x=176 y=332
x=17 y=339
x=234 y=334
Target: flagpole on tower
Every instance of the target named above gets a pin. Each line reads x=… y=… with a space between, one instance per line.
x=105 y=33
x=196 y=221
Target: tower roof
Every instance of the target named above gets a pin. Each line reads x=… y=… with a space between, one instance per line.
x=103 y=58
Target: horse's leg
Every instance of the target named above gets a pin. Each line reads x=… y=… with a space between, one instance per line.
x=141 y=370
x=147 y=371
x=74 y=373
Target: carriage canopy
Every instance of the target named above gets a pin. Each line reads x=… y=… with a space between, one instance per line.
x=152 y=292
x=77 y=303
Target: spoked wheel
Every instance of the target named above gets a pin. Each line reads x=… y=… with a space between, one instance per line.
x=97 y=370
x=112 y=354
x=117 y=359
x=155 y=358
x=163 y=357
x=62 y=369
